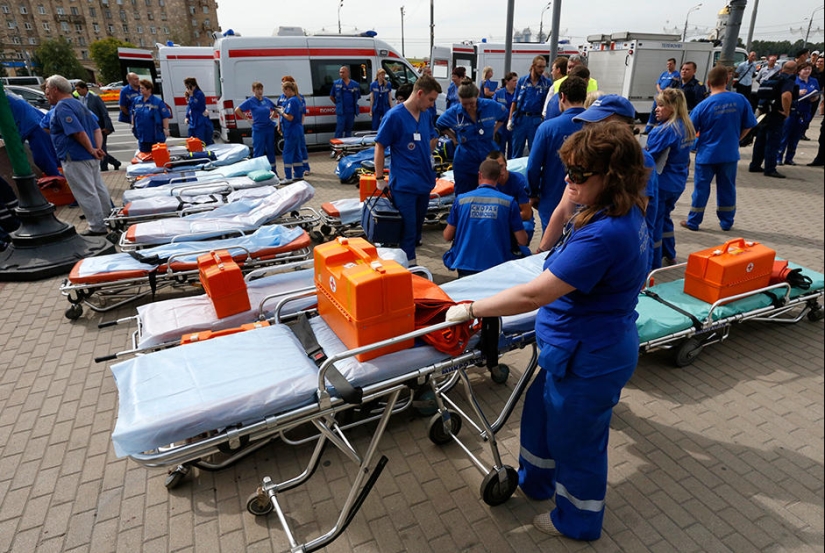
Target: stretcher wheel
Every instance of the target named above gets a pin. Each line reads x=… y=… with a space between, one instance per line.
x=317 y=236
x=494 y=492
x=74 y=312
x=175 y=477
x=424 y=401
x=688 y=352
x=815 y=314
x=438 y=434
x=500 y=373
x=259 y=504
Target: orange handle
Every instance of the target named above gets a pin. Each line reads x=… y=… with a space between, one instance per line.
x=738 y=241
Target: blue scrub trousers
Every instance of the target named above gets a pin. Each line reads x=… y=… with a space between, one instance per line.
x=376 y=118
x=292 y=157
x=703 y=174
x=263 y=144
x=792 y=132
x=344 y=122
x=524 y=131
x=413 y=210
x=564 y=431
x=664 y=239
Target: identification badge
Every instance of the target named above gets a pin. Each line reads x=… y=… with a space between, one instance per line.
x=417 y=136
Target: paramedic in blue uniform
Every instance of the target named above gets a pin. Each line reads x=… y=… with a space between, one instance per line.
x=480 y=224
x=28 y=118
x=292 y=117
x=197 y=116
x=515 y=185
x=796 y=125
x=261 y=111
x=720 y=121
x=409 y=132
x=455 y=80
x=345 y=94
x=669 y=143
x=488 y=85
x=281 y=102
x=545 y=170
x=525 y=113
x=380 y=98
x=585 y=329
x=504 y=96
x=668 y=79
x=127 y=95
x=150 y=118
x=471 y=125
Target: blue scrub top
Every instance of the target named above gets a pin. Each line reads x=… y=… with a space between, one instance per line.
x=475 y=139
x=346 y=96
x=484 y=219
x=504 y=98
x=411 y=170
x=806 y=106
x=545 y=171
x=149 y=115
x=719 y=120
x=452 y=95
x=529 y=97
x=382 y=95
x=490 y=85
x=516 y=187
x=261 y=111
x=71 y=117
x=606 y=261
x=26 y=116
x=127 y=97
x=669 y=79
x=294 y=107
x=196 y=107
x=674 y=136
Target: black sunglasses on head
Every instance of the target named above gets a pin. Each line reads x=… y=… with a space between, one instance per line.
x=579 y=175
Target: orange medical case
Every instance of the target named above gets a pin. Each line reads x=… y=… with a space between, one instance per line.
x=223 y=282
x=367 y=184
x=56 y=190
x=194 y=144
x=733 y=268
x=364 y=299
x=160 y=154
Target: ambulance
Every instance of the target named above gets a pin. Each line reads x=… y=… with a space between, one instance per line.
x=475 y=56
x=167 y=69
x=313 y=61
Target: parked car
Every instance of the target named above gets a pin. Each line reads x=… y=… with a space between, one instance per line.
x=117 y=85
x=32 y=96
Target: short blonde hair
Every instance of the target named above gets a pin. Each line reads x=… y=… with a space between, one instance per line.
x=592 y=96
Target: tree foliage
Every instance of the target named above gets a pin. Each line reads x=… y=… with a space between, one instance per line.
x=56 y=57
x=104 y=52
x=783 y=47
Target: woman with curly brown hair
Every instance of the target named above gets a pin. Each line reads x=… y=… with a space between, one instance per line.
x=585 y=329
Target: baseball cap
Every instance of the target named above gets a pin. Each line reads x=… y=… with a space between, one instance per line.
x=604 y=107
x=815 y=53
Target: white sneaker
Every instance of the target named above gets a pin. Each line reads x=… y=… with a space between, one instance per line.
x=544 y=524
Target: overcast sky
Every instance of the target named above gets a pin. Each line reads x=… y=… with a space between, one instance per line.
x=458 y=20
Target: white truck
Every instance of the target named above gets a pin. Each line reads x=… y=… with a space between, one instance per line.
x=474 y=57
x=629 y=64
x=167 y=69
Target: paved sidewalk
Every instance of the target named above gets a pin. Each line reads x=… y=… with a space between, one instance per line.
x=724 y=455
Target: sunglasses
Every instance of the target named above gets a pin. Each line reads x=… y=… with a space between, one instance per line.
x=579 y=175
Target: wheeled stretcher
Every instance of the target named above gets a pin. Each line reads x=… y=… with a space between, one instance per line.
x=107 y=282
x=186 y=183
x=226 y=154
x=341 y=147
x=283 y=206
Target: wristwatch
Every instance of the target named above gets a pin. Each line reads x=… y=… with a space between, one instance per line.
x=379 y=177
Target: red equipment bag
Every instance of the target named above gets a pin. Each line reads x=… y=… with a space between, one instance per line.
x=431 y=305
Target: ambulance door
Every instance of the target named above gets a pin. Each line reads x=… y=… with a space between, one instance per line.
x=321 y=114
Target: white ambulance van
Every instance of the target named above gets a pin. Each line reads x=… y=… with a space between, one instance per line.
x=313 y=61
x=176 y=64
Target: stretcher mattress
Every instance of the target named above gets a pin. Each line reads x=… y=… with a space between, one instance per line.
x=226 y=154
x=160 y=205
x=211 y=184
x=266 y=242
x=353 y=142
x=245 y=215
x=348 y=210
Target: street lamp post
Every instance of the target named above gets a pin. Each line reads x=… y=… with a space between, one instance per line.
x=340 y=5
x=693 y=9
x=810 y=20
x=541 y=22
x=402 y=33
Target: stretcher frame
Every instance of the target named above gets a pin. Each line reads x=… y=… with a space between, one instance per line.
x=500 y=480
x=340 y=147
x=687 y=344
x=114 y=294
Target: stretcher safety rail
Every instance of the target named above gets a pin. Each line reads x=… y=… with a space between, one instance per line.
x=103 y=283
x=341 y=147
x=241 y=217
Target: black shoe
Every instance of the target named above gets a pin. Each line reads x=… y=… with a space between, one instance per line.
x=104 y=169
x=91 y=232
x=792 y=162
x=775 y=175
x=755 y=170
x=116 y=165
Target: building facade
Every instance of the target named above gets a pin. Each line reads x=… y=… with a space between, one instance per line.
x=26 y=24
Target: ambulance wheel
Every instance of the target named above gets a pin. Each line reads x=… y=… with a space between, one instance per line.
x=258 y=504
x=815 y=314
x=494 y=492
x=438 y=434
x=500 y=373
x=688 y=352
x=424 y=401
x=74 y=312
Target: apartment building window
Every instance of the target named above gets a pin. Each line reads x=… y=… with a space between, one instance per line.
x=84 y=54
x=196 y=33
x=16 y=40
x=191 y=10
x=125 y=28
x=108 y=14
x=92 y=12
x=163 y=16
x=161 y=3
x=137 y=16
x=122 y=15
x=46 y=26
x=166 y=30
x=41 y=10
x=60 y=11
x=140 y=29
x=11 y=24
x=96 y=27
x=78 y=27
x=75 y=11
x=150 y=16
x=24 y=10
x=28 y=26
x=5 y=8
x=64 y=26
x=153 y=30
x=142 y=43
x=32 y=40
x=111 y=29
x=206 y=9
x=81 y=40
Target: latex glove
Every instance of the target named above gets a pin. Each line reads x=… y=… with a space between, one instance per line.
x=458 y=313
x=381 y=184
x=510 y=125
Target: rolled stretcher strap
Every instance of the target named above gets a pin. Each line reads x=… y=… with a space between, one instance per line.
x=697 y=324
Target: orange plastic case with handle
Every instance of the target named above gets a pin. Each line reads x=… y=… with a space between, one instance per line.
x=194 y=144
x=363 y=299
x=735 y=267
x=223 y=282
x=160 y=154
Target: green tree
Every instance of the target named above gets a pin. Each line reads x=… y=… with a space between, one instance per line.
x=56 y=57
x=104 y=52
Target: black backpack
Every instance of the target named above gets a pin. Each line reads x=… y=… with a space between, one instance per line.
x=769 y=94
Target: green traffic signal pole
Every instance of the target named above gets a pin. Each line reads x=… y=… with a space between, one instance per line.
x=43 y=246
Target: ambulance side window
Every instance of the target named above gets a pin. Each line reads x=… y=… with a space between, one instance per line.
x=398 y=73
x=325 y=72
